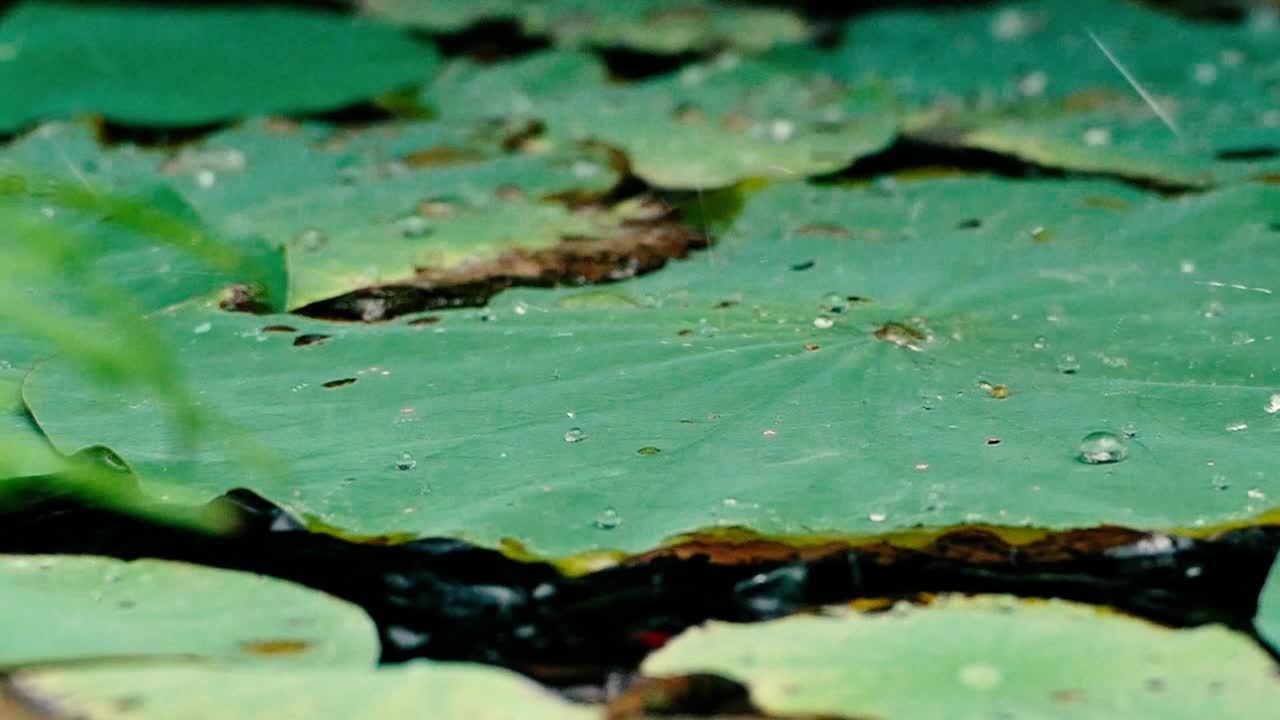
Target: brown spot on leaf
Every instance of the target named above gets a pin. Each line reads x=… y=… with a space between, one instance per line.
x=440 y=155
x=1107 y=202
x=243 y=297
x=636 y=248
x=825 y=229
x=309 y=339
x=1069 y=696
x=510 y=193
x=275 y=647
x=337 y=383
x=901 y=335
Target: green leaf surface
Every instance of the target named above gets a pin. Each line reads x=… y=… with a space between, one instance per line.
x=23 y=449
x=352 y=209
x=1028 y=80
x=171 y=66
x=831 y=365
x=162 y=692
x=986 y=657
x=75 y=608
x=709 y=125
x=652 y=26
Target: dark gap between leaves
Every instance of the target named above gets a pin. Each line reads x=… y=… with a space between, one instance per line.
x=1247 y=154
x=913 y=156
x=445 y=599
x=489 y=41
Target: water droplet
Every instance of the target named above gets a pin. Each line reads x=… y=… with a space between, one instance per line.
x=1040 y=343
x=981 y=676
x=1256 y=494
x=406 y=461
x=834 y=303
x=1033 y=83
x=1187 y=266
x=1237 y=427
x=202 y=328
x=1097 y=136
x=877 y=517
x=1129 y=430
x=435 y=208
x=573 y=435
x=1220 y=483
x=730 y=502
x=781 y=130
x=1101 y=447
x=1273 y=405
x=608 y=519
x=206 y=179
x=1067 y=364
x=769 y=433
x=823 y=323
x=414 y=226
x=1240 y=337
x=649 y=450
x=312 y=240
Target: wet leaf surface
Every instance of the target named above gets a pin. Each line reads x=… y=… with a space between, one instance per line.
x=652 y=26
x=149 y=65
x=709 y=125
x=1027 y=79
x=1149 y=321
x=61 y=608
x=161 y=692
x=354 y=209
x=987 y=656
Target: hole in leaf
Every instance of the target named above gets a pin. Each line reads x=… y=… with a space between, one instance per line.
x=309 y=339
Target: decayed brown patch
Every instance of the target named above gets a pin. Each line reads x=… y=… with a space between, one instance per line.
x=976 y=545
x=275 y=647
x=441 y=155
x=697 y=695
x=638 y=247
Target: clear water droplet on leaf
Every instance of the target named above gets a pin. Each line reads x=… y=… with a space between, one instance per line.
x=1102 y=447
x=406 y=461
x=573 y=435
x=608 y=519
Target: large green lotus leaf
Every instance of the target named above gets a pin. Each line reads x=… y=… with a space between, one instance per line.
x=447 y=691
x=654 y=26
x=834 y=363
x=1268 y=618
x=986 y=657
x=359 y=208
x=709 y=125
x=169 y=66
x=1027 y=79
x=73 y=608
